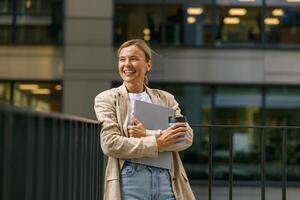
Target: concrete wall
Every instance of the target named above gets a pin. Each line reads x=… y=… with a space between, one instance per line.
x=228 y=66
x=31 y=63
x=88 y=54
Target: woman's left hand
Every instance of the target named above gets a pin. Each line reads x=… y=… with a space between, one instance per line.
x=137 y=129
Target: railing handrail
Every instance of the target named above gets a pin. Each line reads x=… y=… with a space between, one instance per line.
x=243 y=126
x=57 y=115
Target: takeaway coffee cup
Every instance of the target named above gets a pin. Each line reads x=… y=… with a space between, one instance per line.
x=181 y=119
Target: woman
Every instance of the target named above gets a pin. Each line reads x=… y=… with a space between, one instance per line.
x=124 y=137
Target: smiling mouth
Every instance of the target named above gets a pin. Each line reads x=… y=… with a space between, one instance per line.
x=128 y=72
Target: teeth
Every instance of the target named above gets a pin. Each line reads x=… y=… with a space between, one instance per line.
x=126 y=71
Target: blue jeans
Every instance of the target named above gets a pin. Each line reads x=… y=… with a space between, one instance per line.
x=142 y=182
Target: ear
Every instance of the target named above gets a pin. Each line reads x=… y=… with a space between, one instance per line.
x=149 y=66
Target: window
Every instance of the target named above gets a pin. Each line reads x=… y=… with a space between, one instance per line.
x=283 y=108
x=238 y=22
x=35 y=95
x=189 y=23
x=138 y=21
x=31 y=22
x=240 y=105
x=207 y=23
x=282 y=22
x=38 y=96
x=5 y=92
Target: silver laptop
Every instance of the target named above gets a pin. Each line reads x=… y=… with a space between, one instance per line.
x=154 y=117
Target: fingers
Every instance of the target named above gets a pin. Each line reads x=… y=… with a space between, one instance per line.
x=135 y=121
x=182 y=130
x=177 y=125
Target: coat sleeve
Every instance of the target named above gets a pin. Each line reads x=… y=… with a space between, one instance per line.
x=113 y=143
x=178 y=147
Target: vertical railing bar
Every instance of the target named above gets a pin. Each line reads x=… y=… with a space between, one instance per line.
x=90 y=152
x=96 y=189
x=263 y=163
x=29 y=158
x=210 y=171
x=94 y=163
x=54 y=175
x=40 y=186
x=230 y=164
x=61 y=137
x=99 y=159
x=81 y=142
x=7 y=155
x=284 y=162
x=85 y=163
x=70 y=160
x=75 y=162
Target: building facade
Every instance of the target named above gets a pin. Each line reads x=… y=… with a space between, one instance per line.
x=227 y=62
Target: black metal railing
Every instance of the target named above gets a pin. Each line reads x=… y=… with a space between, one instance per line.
x=58 y=157
x=49 y=156
x=262 y=133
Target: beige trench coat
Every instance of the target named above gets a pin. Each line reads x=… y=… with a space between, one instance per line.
x=111 y=107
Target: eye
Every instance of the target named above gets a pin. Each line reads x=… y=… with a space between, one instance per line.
x=121 y=59
x=134 y=58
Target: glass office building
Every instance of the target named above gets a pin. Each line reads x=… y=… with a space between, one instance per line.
x=233 y=62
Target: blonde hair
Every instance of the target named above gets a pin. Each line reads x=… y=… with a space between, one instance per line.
x=143 y=46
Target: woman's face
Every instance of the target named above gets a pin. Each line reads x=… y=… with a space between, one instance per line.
x=133 y=65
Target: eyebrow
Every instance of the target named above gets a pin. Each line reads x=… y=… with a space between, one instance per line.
x=129 y=56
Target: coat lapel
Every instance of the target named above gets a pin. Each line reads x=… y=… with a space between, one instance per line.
x=123 y=106
x=155 y=97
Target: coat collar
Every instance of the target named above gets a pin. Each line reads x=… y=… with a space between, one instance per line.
x=123 y=102
x=154 y=96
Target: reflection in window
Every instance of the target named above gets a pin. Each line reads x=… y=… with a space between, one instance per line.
x=240 y=106
x=283 y=108
x=6 y=21
x=37 y=21
x=189 y=23
x=282 y=22
x=238 y=22
x=4 y=92
x=138 y=21
x=38 y=96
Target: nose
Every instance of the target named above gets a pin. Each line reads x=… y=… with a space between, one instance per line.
x=127 y=61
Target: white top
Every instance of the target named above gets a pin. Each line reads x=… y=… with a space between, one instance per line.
x=143 y=96
x=137 y=96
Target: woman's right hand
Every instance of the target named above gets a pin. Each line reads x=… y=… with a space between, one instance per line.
x=172 y=135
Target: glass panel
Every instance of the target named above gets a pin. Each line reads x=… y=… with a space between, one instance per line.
x=282 y=24
x=138 y=21
x=5 y=21
x=39 y=22
x=240 y=105
x=4 y=92
x=38 y=96
x=283 y=108
x=238 y=21
x=189 y=23
x=5 y=7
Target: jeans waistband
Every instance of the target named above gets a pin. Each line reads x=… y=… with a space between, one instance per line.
x=142 y=166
